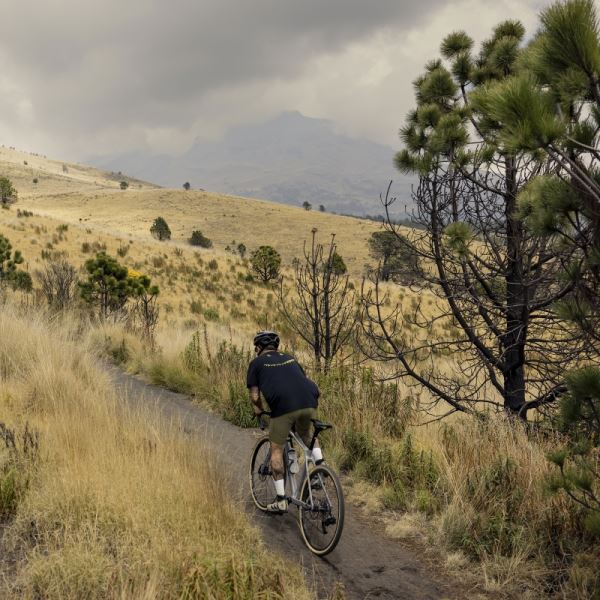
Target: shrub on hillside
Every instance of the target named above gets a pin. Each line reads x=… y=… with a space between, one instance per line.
x=160 y=229
x=9 y=261
x=58 y=281
x=8 y=193
x=22 y=281
x=199 y=239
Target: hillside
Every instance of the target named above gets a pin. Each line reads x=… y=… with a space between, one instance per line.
x=87 y=196
x=54 y=176
x=289 y=159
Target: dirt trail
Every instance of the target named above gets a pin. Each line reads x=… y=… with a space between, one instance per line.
x=367 y=563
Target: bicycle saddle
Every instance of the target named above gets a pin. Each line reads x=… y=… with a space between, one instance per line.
x=320 y=426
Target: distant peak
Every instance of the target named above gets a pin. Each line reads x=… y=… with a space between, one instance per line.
x=292 y=113
x=296 y=116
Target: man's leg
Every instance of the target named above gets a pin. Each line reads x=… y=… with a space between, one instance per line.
x=277 y=467
x=278 y=432
x=304 y=430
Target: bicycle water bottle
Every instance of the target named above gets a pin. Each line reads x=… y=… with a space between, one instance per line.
x=293 y=465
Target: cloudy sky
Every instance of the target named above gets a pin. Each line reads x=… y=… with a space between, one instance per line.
x=82 y=77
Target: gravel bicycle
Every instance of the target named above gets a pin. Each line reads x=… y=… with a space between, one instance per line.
x=314 y=489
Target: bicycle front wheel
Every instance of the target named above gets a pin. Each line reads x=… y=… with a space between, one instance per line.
x=321 y=524
x=261 y=477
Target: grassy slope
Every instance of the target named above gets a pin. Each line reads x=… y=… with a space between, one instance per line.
x=114 y=504
x=98 y=214
x=90 y=196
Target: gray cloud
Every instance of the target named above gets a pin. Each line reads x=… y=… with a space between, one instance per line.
x=83 y=73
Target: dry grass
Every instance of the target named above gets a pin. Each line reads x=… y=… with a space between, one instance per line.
x=475 y=493
x=88 y=195
x=119 y=505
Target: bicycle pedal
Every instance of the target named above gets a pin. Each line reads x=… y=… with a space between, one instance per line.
x=331 y=520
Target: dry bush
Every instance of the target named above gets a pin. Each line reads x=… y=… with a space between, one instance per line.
x=121 y=505
x=58 y=282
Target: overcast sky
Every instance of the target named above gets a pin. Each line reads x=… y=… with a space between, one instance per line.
x=81 y=78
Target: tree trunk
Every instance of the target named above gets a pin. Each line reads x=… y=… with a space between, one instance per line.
x=513 y=340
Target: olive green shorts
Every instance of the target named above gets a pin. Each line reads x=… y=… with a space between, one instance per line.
x=280 y=427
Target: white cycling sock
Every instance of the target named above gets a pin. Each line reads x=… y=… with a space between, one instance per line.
x=317 y=454
x=279 y=487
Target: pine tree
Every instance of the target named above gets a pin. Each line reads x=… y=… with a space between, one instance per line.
x=108 y=286
x=265 y=261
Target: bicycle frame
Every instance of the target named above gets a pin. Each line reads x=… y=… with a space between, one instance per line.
x=296 y=481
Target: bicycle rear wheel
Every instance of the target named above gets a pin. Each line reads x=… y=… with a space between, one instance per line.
x=322 y=525
x=261 y=477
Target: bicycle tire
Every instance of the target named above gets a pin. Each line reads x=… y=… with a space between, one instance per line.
x=262 y=487
x=309 y=520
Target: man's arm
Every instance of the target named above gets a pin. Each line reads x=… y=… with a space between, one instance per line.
x=255 y=399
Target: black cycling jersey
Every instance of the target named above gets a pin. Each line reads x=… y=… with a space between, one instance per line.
x=282 y=382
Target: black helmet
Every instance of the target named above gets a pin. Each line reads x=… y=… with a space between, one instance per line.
x=266 y=338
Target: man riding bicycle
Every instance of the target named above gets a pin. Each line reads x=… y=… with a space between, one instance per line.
x=292 y=398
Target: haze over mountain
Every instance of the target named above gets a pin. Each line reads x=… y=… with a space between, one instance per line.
x=289 y=159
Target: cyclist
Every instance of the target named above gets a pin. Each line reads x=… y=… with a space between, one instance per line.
x=292 y=398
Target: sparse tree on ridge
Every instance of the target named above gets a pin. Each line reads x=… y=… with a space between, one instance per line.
x=187 y=186
x=306 y=205
x=124 y=185
x=321 y=208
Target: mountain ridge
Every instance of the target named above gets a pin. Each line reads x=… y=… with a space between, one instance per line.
x=289 y=159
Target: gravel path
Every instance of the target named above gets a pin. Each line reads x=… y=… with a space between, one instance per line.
x=367 y=563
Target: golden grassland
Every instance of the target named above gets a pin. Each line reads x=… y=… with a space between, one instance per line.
x=113 y=503
x=89 y=196
x=474 y=495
